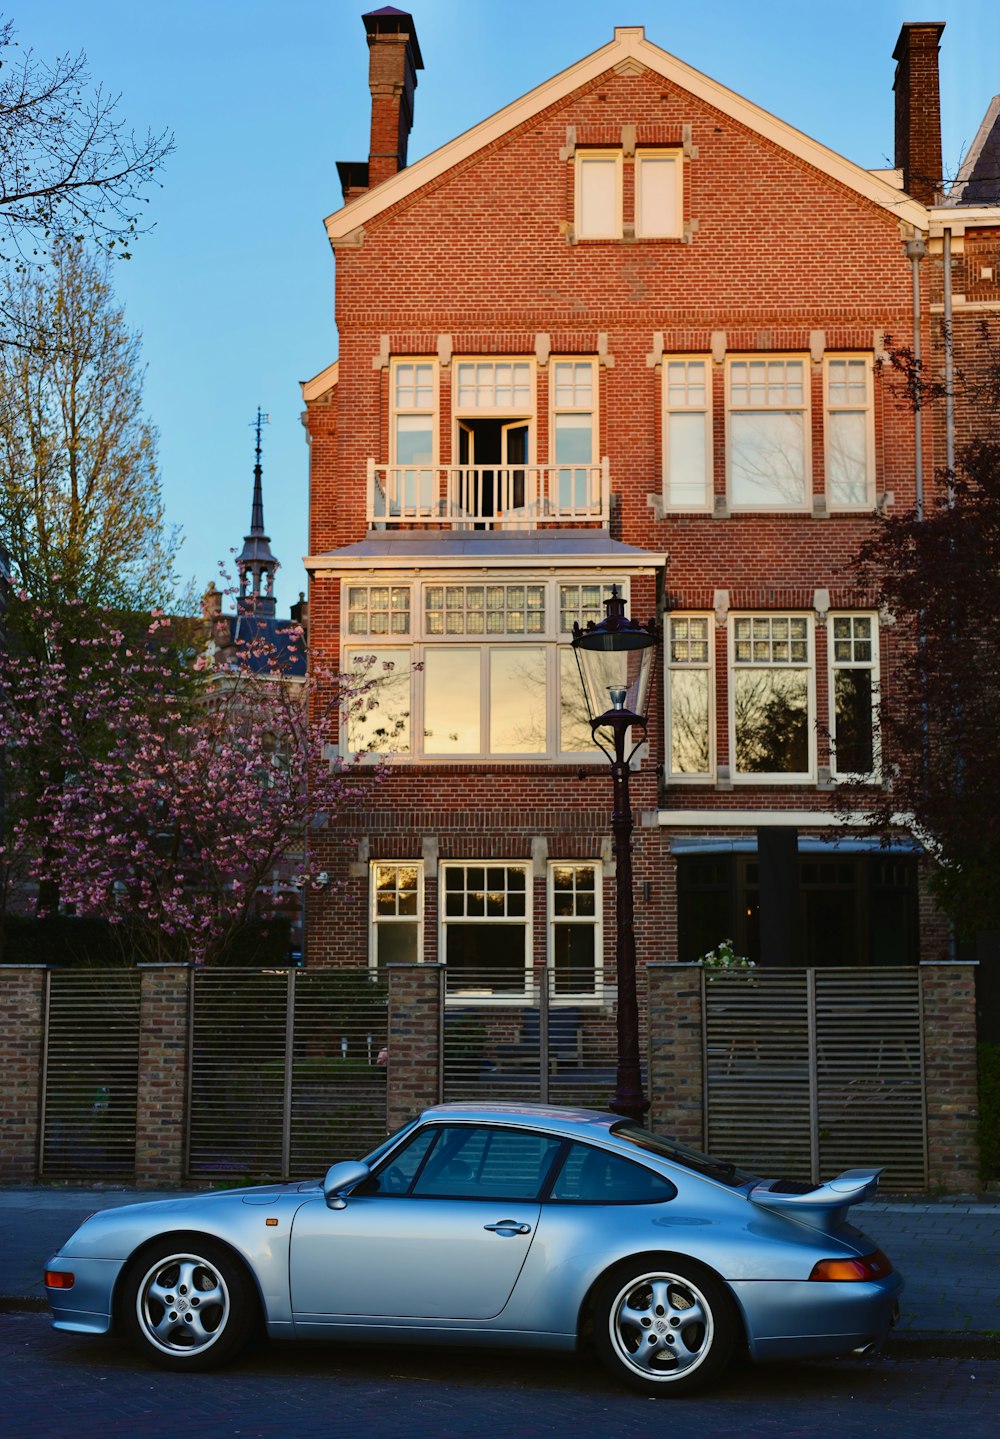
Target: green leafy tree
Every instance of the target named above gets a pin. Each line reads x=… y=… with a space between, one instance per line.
x=81 y=515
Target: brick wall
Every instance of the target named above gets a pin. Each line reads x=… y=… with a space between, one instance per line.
x=676 y=1070
x=22 y=1005
x=163 y=1071
x=948 y=993
x=415 y=1018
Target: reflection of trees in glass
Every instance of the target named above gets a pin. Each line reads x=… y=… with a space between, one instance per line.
x=517 y=701
x=854 y=736
x=689 y=722
x=379 y=717
x=772 y=721
x=768 y=459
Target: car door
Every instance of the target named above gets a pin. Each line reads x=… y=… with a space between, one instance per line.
x=442 y=1232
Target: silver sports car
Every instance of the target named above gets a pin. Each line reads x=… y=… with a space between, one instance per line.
x=496 y=1225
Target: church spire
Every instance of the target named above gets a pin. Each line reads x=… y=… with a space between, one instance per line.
x=255 y=562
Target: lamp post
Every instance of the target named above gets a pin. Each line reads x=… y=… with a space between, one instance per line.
x=616 y=659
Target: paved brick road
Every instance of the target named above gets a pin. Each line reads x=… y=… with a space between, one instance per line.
x=57 y=1384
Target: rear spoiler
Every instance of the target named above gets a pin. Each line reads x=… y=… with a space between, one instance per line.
x=824 y=1207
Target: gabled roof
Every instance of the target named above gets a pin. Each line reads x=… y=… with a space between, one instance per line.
x=629 y=47
x=978 y=180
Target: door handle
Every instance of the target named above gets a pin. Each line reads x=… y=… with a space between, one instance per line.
x=508 y=1226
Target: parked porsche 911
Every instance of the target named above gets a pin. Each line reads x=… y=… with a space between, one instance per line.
x=503 y=1225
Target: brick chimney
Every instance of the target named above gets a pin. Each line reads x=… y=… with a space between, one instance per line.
x=393 y=61
x=918 y=109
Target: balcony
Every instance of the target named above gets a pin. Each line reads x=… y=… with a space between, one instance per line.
x=487 y=497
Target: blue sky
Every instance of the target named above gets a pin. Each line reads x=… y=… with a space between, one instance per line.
x=233 y=289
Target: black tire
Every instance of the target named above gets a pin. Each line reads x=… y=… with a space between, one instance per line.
x=664 y=1325
x=186 y=1303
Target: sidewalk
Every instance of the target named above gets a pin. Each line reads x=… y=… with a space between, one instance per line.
x=948 y=1251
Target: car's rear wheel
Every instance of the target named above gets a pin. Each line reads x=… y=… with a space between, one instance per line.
x=665 y=1325
x=187 y=1303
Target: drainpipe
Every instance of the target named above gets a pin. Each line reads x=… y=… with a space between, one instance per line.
x=949 y=369
x=916 y=249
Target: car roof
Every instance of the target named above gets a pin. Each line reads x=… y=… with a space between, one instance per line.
x=555 y=1118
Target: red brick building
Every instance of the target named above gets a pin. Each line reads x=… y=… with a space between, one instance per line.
x=626 y=331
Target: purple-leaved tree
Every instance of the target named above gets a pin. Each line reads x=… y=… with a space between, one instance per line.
x=164 y=788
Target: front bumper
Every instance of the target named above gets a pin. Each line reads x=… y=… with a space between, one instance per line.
x=87 y=1308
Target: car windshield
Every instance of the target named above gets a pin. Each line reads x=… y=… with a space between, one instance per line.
x=719 y=1169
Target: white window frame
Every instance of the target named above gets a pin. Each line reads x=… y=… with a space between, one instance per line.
x=671 y=667
x=397 y=363
x=830 y=409
x=421 y=492
x=556 y=466
x=873 y=666
x=375 y=920
x=705 y=409
x=526 y=412
x=482 y=996
x=581 y=159
x=755 y=777
x=658 y=156
x=553 y=640
x=804 y=504
x=595 y=922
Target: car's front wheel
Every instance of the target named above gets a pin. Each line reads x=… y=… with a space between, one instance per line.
x=187 y=1303
x=665 y=1326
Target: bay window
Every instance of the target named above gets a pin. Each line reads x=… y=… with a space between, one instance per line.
x=489 y=671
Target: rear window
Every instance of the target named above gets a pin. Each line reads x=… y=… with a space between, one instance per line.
x=718 y=1169
x=592 y=1176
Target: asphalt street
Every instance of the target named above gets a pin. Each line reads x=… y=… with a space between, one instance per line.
x=62 y=1384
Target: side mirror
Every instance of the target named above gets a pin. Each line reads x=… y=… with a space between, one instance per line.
x=341 y=1179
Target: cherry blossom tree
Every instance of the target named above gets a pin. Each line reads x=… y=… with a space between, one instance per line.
x=163 y=788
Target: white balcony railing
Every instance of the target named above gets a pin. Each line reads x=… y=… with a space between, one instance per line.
x=507 y=497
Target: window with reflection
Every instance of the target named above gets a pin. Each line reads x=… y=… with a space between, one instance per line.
x=853 y=652
x=478 y=1162
x=575 y=939
x=849 y=437
x=768 y=401
x=689 y=695
x=490 y=671
x=396 y=912
x=592 y=1176
x=378 y=713
x=485 y=923
x=772 y=695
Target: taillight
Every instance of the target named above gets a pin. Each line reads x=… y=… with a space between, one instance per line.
x=59 y=1279
x=872 y=1266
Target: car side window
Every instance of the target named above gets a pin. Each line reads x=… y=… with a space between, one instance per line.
x=397 y=1176
x=592 y=1176
x=478 y=1162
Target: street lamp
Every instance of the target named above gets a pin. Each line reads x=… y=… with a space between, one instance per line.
x=616 y=659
